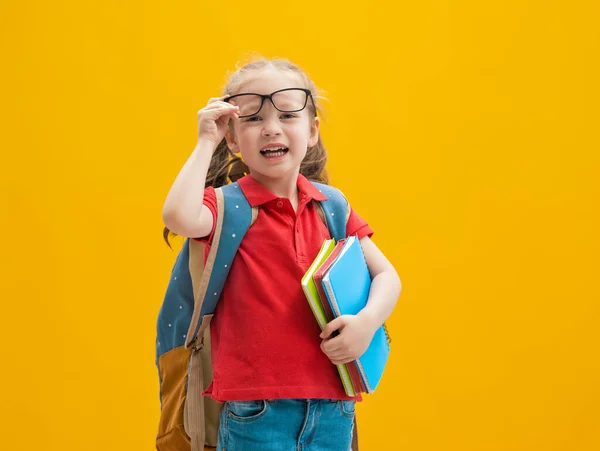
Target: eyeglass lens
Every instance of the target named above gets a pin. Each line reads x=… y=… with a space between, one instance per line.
x=286 y=101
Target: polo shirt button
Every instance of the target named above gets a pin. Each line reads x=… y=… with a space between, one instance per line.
x=280 y=204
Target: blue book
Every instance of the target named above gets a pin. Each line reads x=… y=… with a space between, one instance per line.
x=347 y=285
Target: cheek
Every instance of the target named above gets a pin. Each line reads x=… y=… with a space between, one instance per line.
x=299 y=130
x=243 y=135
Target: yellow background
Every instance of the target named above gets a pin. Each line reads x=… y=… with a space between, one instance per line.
x=465 y=132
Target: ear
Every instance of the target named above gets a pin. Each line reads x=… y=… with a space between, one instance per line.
x=231 y=140
x=314 y=132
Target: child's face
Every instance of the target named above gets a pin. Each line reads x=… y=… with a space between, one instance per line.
x=269 y=127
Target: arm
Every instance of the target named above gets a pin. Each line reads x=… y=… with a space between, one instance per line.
x=356 y=331
x=385 y=286
x=183 y=212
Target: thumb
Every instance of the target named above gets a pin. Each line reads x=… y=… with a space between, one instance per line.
x=332 y=326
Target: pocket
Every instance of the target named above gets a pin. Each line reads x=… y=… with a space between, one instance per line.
x=246 y=410
x=347 y=408
x=173 y=366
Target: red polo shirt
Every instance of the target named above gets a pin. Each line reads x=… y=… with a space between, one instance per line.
x=265 y=338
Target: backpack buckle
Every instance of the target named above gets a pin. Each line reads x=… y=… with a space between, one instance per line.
x=198 y=343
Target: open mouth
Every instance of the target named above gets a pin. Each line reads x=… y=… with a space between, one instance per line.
x=274 y=152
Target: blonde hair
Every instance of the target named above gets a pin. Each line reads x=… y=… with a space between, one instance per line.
x=226 y=165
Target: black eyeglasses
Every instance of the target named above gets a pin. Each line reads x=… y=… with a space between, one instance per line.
x=288 y=100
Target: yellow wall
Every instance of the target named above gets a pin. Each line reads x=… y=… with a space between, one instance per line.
x=465 y=132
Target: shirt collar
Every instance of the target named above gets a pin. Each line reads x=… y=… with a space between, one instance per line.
x=258 y=194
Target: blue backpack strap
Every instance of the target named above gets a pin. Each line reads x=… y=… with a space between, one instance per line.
x=336 y=209
x=234 y=217
x=185 y=291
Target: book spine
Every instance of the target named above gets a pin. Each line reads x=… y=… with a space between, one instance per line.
x=331 y=298
x=346 y=380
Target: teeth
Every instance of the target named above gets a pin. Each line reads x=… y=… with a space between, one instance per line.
x=275 y=154
x=273 y=149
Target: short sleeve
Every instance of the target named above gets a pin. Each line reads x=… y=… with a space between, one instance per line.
x=357 y=226
x=210 y=200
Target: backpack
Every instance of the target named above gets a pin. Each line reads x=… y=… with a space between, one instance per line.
x=188 y=420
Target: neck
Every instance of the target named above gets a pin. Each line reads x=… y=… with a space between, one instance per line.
x=284 y=187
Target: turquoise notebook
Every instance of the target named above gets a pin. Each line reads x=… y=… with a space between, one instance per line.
x=347 y=285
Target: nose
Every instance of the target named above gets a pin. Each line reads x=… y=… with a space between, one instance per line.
x=271 y=126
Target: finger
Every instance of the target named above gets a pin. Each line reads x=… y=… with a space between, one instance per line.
x=226 y=115
x=331 y=345
x=334 y=352
x=224 y=118
x=216 y=111
x=337 y=355
x=217 y=99
x=219 y=104
x=332 y=326
x=232 y=109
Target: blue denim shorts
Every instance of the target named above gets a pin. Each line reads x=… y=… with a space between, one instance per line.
x=286 y=425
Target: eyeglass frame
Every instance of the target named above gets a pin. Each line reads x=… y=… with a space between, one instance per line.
x=263 y=97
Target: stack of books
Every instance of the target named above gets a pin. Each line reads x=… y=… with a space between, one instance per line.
x=338 y=283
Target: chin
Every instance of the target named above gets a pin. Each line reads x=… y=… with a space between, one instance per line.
x=274 y=171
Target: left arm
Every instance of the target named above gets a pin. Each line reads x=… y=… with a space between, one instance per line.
x=356 y=331
x=385 y=286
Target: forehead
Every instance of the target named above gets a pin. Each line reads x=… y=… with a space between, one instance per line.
x=268 y=80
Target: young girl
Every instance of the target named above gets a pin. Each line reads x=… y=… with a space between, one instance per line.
x=272 y=366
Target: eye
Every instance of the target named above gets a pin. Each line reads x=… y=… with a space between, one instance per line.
x=251 y=119
x=288 y=116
